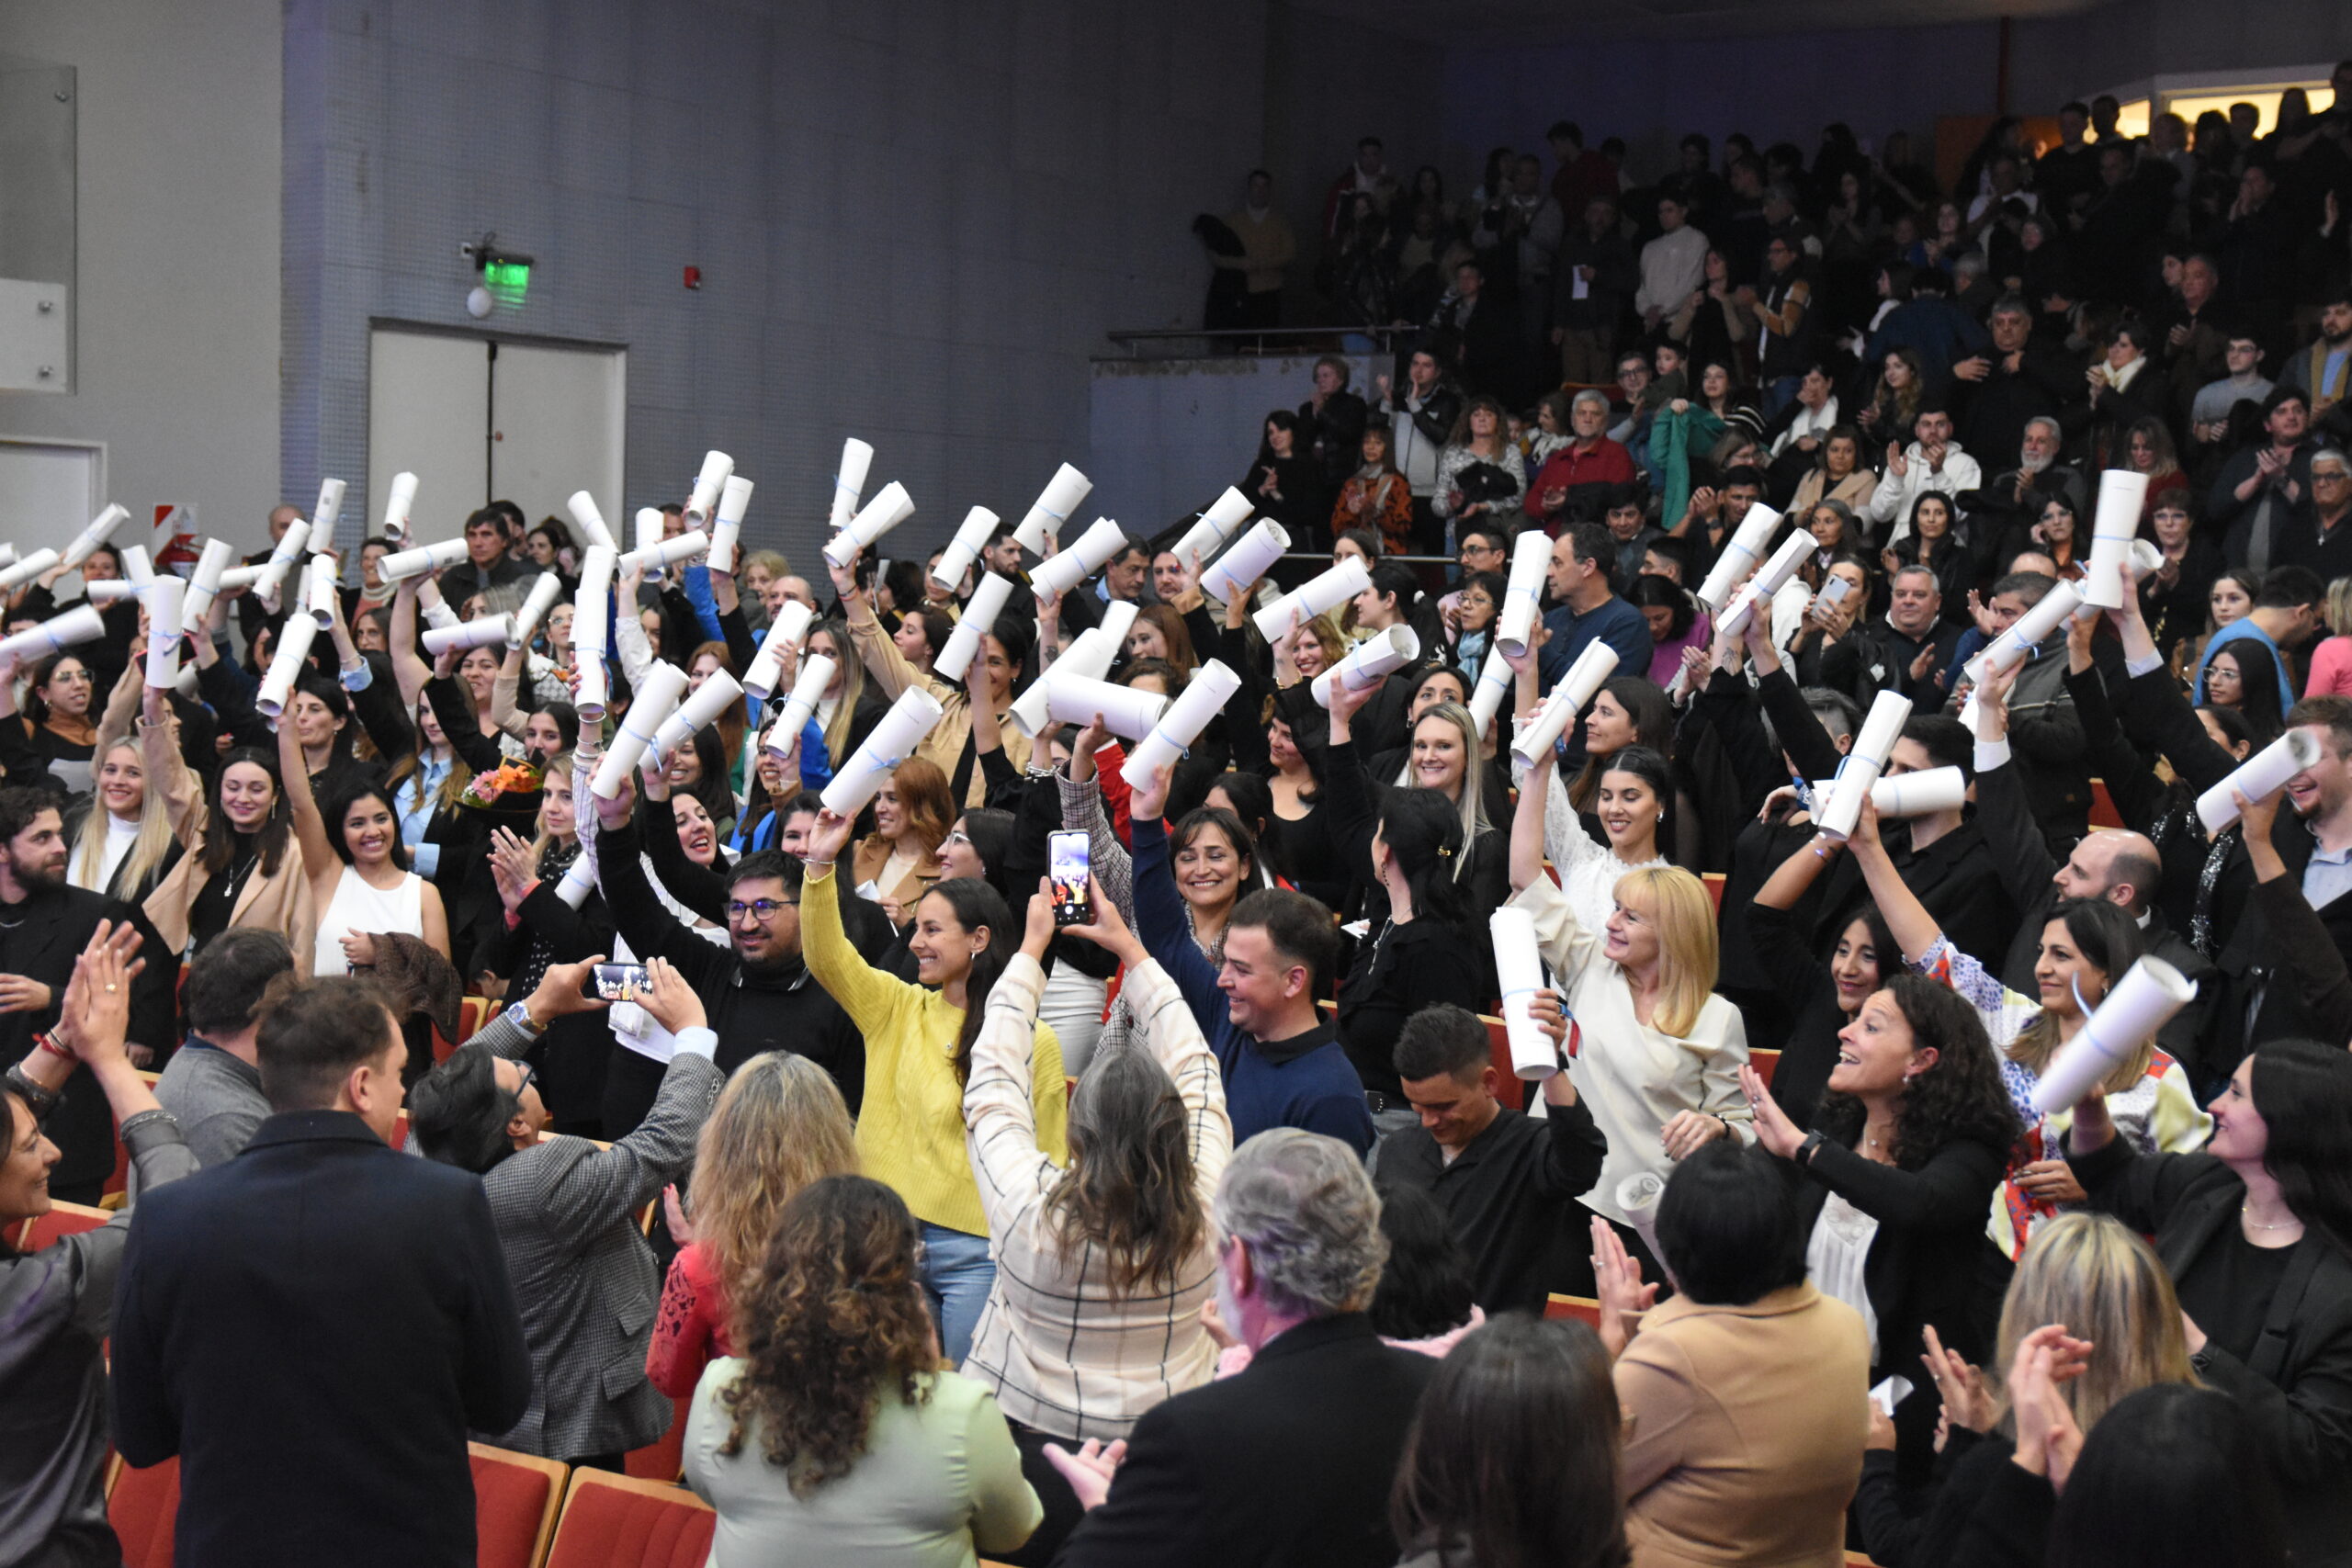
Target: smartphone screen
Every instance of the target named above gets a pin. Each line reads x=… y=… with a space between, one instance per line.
x=1068 y=860
x=619 y=982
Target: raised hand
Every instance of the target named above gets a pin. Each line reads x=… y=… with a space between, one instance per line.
x=1150 y=797
x=828 y=837
x=1773 y=1128
x=1967 y=1401
x=1109 y=930
x=674 y=1004
x=1618 y=1281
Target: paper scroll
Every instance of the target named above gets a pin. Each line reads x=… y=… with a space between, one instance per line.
x=1060 y=498
x=25 y=570
x=964 y=549
x=97 y=532
x=324 y=514
x=536 y=606
x=876 y=518
x=1518 y=973
x=421 y=559
x=594 y=529
x=808 y=690
x=717 y=467
x=1251 y=557
x=849 y=482
x=163 y=598
x=718 y=692
x=1747 y=548
x=204 y=584
x=890 y=742
x=1127 y=712
x=1758 y=595
x=1860 y=770
x=1493 y=689
x=1327 y=589
x=734 y=500
x=987 y=601
x=1370 y=662
x=1060 y=573
x=2265 y=772
x=2142 y=1002
x=661 y=554
x=787 y=634
x=2014 y=647
x=1922 y=794
x=657 y=699
x=1223 y=519
x=483 y=631
x=2114 y=528
x=1204 y=696
x=398 y=502
x=1545 y=727
x=287 y=663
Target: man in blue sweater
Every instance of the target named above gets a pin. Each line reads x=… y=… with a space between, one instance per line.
x=1281 y=1060
x=1584 y=608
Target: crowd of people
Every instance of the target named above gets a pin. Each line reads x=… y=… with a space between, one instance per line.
x=1206 y=1219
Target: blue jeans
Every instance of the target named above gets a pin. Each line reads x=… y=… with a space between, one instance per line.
x=956 y=1275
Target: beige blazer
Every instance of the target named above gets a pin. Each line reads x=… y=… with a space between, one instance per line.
x=279 y=902
x=945 y=745
x=1745 y=1431
x=873 y=852
x=1854 y=490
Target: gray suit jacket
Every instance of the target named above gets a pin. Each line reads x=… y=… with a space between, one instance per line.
x=584 y=1276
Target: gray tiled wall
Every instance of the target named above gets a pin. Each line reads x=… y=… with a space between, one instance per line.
x=915 y=218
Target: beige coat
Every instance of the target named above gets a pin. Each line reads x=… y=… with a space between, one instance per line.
x=1855 y=490
x=279 y=902
x=1745 y=1431
x=944 y=744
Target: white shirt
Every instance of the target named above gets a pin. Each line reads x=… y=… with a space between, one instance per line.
x=1809 y=421
x=1836 y=1255
x=1891 y=503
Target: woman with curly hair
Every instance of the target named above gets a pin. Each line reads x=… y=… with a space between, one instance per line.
x=780 y=1126
x=1896 y=1178
x=836 y=1436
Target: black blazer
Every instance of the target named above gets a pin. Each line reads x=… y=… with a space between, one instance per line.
x=1288 y=1462
x=312 y=1328
x=2297 y=1391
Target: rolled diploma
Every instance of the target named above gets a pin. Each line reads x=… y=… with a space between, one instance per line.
x=480 y=632
x=1372 y=659
x=889 y=508
x=1637 y=1198
x=324 y=514
x=582 y=507
x=717 y=468
x=1859 y=771
x=1238 y=569
x=285 y=665
x=1091 y=653
x=1055 y=503
x=668 y=552
x=1518 y=970
x=890 y=742
x=1747 y=548
x=25 y=570
x=1212 y=685
x=112 y=589
x=718 y=692
x=1920 y=793
x=1530 y=554
x=849 y=482
x=649 y=528
x=1118 y=620
x=2013 y=647
x=204 y=583
x=163 y=597
x=317 y=591
x=964 y=547
x=297 y=537
x=398 y=502
x=808 y=690
x=579 y=877
x=593 y=605
x=236 y=577
x=99 y=530
x=78 y=625
x=7 y=554
x=536 y=606
x=2143 y=1002
x=657 y=699
x=1060 y=573
x=588 y=700
x=987 y=604
x=421 y=559
x=1129 y=713
x=137 y=569
x=1219 y=522
x=734 y=500
x=1549 y=722
x=1760 y=588
x=2147 y=555
x=786 y=633
x=2114 y=527
x=2258 y=775
x=1494 y=686
x=1333 y=586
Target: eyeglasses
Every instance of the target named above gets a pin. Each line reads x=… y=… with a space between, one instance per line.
x=957 y=836
x=760 y=909
x=531 y=1076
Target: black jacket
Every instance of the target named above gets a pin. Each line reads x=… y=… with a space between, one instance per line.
x=1509 y=1198
x=313 y=1327
x=1289 y=1462
x=2296 y=1390
x=785 y=1011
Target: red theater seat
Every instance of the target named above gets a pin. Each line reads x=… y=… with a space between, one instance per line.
x=62 y=1220
x=143 y=1505
x=516 y=1498
x=618 y=1521
x=1583 y=1308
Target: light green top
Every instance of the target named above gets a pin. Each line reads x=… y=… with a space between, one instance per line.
x=939 y=1484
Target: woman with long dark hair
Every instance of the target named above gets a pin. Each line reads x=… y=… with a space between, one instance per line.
x=1821 y=997
x=2257 y=1234
x=59 y=722
x=243 y=867
x=360 y=880
x=919 y=1037
x=1102 y=1265
x=1286 y=484
x=1896 y=1177
x=835 y=1437
x=1518 y=1397
x=2244 y=674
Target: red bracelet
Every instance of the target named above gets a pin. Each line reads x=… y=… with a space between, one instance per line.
x=43 y=1042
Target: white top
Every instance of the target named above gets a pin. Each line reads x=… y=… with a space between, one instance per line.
x=1834 y=1256
x=1634 y=1078
x=120 y=836
x=356 y=906
x=1589 y=871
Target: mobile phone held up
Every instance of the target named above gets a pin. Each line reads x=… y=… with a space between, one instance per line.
x=1069 y=859
x=619 y=982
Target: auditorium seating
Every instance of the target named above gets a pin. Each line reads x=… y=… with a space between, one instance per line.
x=662 y=1459
x=1585 y=1309
x=1766 y=1063
x=62 y=1220
x=1512 y=1090
x=618 y=1521
x=143 y=1506
x=471 y=1011
x=516 y=1499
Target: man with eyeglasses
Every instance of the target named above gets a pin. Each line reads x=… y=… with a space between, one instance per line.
x=2320 y=539
x=758 y=992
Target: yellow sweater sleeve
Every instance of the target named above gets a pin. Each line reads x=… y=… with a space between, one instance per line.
x=867 y=995
x=1050 y=1093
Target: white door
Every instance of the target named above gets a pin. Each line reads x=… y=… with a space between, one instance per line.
x=428 y=413
x=481 y=419
x=50 y=489
x=558 y=418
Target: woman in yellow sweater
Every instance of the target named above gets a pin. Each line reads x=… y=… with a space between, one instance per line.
x=919 y=1043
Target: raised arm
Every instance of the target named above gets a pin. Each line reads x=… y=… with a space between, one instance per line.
x=1000 y=1116
x=864 y=992
x=1161 y=920
x=2020 y=854
x=310 y=827
x=1915 y=930
x=409 y=668
x=1083 y=812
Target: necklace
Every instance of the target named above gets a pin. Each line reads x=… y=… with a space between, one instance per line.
x=2245 y=1212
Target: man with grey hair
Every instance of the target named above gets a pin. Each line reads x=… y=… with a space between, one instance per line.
x=2011 y=501
x=1290 y=1460
x=1580 y=473
x=2320 y=539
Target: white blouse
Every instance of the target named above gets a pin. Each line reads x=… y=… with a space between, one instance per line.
x=1835 y=1257
x=1589 y=870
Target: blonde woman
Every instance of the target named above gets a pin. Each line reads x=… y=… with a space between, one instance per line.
x=2330 y=673
x=1441 y=752
x=124 y=845
x=2118 y=1330
x=780 y=1125
x=1659 y=1053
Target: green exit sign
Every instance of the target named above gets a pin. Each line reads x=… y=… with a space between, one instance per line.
x=508 y=281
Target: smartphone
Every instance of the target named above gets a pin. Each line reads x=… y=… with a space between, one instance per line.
x=617 y=981
x=1069 y=858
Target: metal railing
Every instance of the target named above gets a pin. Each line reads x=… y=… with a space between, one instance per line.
x=1251 y=340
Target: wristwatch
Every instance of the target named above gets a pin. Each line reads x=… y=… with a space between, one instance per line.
x=1812 y=1144
x=520 y=1016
